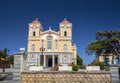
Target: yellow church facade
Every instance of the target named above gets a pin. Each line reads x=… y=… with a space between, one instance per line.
x=50 y=48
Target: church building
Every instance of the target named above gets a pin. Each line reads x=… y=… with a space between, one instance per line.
x=50 y=48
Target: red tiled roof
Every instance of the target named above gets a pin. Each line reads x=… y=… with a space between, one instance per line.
x=36 y=21
x=65 y=21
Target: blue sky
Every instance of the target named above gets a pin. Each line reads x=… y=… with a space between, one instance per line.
x=87 y=16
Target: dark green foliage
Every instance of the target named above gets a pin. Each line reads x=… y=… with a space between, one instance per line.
x=79 y=61
x=79 y=64
x=106 y=42
x=1 y=56
x=11 y=59
x=101 y=64
x=75 y=68
x=5 y=59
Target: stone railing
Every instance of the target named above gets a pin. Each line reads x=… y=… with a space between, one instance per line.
x=36 y=68
x=65 y=68
x=66 y=77
x=93 y=68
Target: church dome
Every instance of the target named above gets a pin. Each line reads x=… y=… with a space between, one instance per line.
x=35 y=22
x=65 y=21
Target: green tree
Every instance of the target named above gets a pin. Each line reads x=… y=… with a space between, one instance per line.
x=107 y=42
x=75 y=68
x=3 y=58
x=79 y=64
x=11 y=59
x=79 y=61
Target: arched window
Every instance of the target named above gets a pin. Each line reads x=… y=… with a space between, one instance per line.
x=65 y=59
x=49 y=43
x=33 y=47
x=32 y=58
x=65 y=33
x=34 y=33
x=65 y=47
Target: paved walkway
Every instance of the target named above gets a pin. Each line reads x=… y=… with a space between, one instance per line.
x=9 y=78
x=7 y=70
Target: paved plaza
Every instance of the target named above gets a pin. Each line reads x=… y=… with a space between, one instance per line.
x=9 y=78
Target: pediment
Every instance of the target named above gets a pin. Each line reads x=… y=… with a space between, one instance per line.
x=50 y=32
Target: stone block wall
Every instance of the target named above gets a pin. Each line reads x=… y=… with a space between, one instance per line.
x=66 y=77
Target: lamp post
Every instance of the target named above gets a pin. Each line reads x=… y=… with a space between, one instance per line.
x=42 y=49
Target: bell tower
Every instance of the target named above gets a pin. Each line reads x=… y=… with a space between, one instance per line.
x=34 y=28
x=65 y=36
x=66 y=29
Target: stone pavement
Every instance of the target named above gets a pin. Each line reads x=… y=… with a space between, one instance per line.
x=9 y=78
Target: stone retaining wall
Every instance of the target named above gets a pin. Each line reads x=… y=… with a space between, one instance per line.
x=66 y=77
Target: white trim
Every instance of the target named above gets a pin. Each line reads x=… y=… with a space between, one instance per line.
x=53 y=60
x=44 y=61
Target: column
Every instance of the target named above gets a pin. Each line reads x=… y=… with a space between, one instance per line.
x=69 y=59
x=44 y=64
x=53 y=61
x=58 y=59
x=40 y=60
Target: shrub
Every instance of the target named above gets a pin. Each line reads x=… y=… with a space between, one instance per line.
x=101 y=64
x=75 y=68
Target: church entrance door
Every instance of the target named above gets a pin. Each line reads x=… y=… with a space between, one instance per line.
x=49 y=62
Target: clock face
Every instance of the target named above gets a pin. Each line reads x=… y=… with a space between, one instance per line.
x=65 y=29
x=34 y=27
